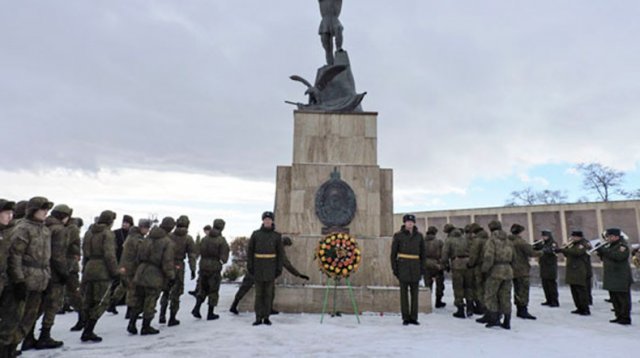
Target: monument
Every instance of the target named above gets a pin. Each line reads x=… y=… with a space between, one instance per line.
x=335 y=185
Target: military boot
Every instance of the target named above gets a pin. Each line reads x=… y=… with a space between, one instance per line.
x=87 y=333
x=46 y=342
x=80 y=324
x=196 y=310
x=163 y=313
x=112 y=308
x=460 y=312
x=172 y=319
x=506 y=322
x=133 y=321
x=29 y=342
x=470 y=308
x=128 y=314
x=478 y=308
x=484 y=318
x=493 y=319
x=523 y=312
x=147 y=329
x=210 y=315
x=439 y=303
x=12 y=350
x=234 y=306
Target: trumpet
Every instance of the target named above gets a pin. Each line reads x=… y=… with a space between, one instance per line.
x=597 y=244
x=539 y=242
x=568 y=245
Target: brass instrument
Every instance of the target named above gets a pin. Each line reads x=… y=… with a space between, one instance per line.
x=598 y=244
x=539 y=242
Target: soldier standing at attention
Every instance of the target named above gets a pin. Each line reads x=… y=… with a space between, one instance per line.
x=7 y=301
x=617 y=275
x=155 y=271
x=214 y=253
x=475 y=264
x=407 y=263
x=522 y=251
x=265 y=260
x=496 y=264
x=548 y=264
x=183 y=247
x=456 y=249
x=577 y=271
x=100 y=269
x=433 y=270
x=72 y=288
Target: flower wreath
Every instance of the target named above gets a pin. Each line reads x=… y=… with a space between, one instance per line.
x=338 y=255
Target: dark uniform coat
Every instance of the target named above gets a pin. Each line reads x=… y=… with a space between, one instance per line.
x=617 y=270
x=408 y=255
x=265 y=254
x=578 y=263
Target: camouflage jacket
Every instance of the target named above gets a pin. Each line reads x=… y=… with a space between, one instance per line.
x=265 y=254
x=289 y=266
x=29 y=255
x=129 y=258
x=214 y=252
x=99 y=254
x=5 y=232
x=477 y=249
x=74 y=249
x=433 y=252
x=59 y=246
x=183 y=247
x=156 y=265
x=456 y=249
x=498 y=257
x=407 y=255
x=522 y=251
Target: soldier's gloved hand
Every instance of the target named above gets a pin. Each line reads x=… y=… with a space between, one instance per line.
x=193 y=275
x=20 y=291
x=304 y=277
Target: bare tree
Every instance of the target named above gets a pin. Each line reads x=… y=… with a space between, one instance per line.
x=631 y=194
x=551 y=197
x=601 y=179
x=528 y=196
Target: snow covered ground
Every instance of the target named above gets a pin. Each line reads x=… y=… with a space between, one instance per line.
x=556 y=333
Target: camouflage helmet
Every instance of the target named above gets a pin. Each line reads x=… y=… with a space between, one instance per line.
x=432 y=230
x=467 y=228
x=218 y=224
x=62 y=210
x=448 y=228
x=183 y=221
x=6 y=205
x=21 y=209
x=167 y=224
x=476 y=228
x=516 y=229
x=38 y=203
x=76 y=221
x=106 y=217
x=206 y=228
x=144 y=223
x=495 y=225
x=286 y=241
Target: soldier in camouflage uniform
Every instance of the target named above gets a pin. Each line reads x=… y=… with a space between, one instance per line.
x=206 y=229
x=99 y=269
x=265 y=260
x=214 y=252
x=54 y=295
x=522 y=251
x=73 y=291
x=455 y=255
x=183 y=247
x=496 y=264
x=408 y=262
x=577 y=271
x=6 y=295
x=433 y=270
x=156 y=270
x=617 y=277
x=548 y=265
x=476 y=252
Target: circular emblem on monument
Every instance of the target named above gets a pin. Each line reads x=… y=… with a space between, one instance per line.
x=335 y=202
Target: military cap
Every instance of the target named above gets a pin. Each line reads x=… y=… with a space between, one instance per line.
x=476 y=228
x=516 y=229
x=128 y=219
x=448 y=228
x=268 y=214
x=613 y=232
x=144 y=223
x=206 y=228
x=62 y=209
x=38 y=203
x=7 y=205
x=21 y=209
x=432 y=230
x=286 y=241
x=409 y=217
x=546 y=233
x=218 y=224
x=577 y=233
x=167 y=224
x=106 y=217
x=183 y=221
x=495 y=225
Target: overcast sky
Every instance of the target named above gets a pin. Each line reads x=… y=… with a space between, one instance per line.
x=175 y=106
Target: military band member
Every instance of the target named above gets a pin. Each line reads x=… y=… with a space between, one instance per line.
x=433 y=270
x=548 y=265
x=617 y=274
x=407 y=263
x=577 y=271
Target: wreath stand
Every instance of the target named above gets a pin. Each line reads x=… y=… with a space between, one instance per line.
x=325 y=301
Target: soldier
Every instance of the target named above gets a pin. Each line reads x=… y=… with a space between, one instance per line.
x=54 y=295
x=548 y=265
x=577 y=271
x=456 y=250
x=99 y=270
x=407 y=263
x=206 y=230
x=496 y=264
x=617 y=275
x=128 y=267
x=156 y=270
x=120 y=235
x=330 y=27
x=6 y=295
x=214 y=252
x=265 y=259
x=476 y=252
x=522 y=251
x=72 y=288
x=433 y=270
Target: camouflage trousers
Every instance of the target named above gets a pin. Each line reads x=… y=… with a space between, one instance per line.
x=126 y=287
x=209 y=286
x=462 y=281
x=245 y=286
x=263 y=304
x=497 y=295
x=11 y=311
x=30 y=309
x=479 y=280
x=146 y=301
x=52 y=302
x=73 y=292
x=521 y=291
x=172 y=294
x=96 y=298
x=434 y=275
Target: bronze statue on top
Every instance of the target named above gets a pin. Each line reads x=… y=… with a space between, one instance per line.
x=330 y=27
